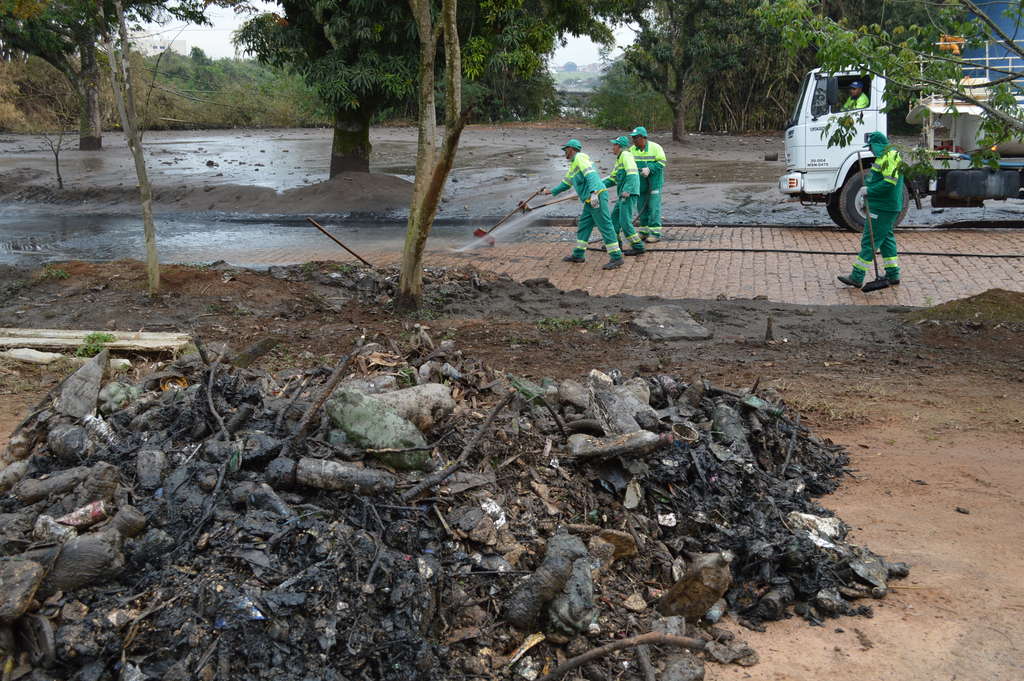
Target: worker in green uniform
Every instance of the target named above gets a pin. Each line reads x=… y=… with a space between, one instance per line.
x=585 y=180
x=884 y=202
x=857 y=98
x=625 y=178
x=650 y=159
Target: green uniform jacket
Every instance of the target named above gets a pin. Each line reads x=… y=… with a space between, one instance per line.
x=652 y=157
x=582 y=177
x=856 y=103
x=885 y=182
x=625 y=175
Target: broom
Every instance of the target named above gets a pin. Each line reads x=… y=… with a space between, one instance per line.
x=482 y=233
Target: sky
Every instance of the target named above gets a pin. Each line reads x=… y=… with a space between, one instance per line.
x=215 y=40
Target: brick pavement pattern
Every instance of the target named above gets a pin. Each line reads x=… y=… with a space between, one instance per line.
x=780 y=277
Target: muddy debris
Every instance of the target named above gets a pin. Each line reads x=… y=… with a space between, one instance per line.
x=425 y=517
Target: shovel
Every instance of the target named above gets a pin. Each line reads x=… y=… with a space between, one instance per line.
x=880 y=282
x=482 y=233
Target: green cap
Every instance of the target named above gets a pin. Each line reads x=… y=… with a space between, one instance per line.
x=573 y=144
x=878 y=138
x=639 y=130
x=622 y=141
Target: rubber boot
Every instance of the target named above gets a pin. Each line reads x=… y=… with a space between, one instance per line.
x=849 y=281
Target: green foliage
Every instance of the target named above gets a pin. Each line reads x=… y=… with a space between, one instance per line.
x=196 y=91
x=910 y=57
x=624 y=100
x=94 y=343
x=506 y=96
x=360 y=56
x=50 y=272
x=174 y=92
x=715 y=64
x=609 y=327
x=356 y=55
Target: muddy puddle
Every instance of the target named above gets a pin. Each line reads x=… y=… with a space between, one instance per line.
x=30 y=237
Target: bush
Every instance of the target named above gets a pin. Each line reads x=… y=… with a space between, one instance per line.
x=623 y=101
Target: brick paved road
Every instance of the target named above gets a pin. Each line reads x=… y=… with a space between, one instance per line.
x=781 y=277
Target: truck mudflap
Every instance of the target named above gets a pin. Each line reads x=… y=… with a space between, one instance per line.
x=982 y=183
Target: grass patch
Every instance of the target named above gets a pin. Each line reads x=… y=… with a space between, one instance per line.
x=608 y=327
x=94 y=344
x=53 y=273
x=995 y=306
x=560 y=324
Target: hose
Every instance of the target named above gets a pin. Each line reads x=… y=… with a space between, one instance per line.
x=799 y=252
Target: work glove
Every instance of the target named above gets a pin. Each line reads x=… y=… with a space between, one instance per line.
x=625 y=195
x=595 y=201
x=645 y=172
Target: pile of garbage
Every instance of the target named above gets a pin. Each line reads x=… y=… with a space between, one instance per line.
x=410 y=514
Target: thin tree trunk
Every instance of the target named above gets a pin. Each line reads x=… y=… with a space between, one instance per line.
x=678 y=120
x=423 y=207
x=90 y=125
x=56 y=164
x=350 y=149
x=121 y=74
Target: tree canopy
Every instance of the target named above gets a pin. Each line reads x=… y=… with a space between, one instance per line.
x=933 y=57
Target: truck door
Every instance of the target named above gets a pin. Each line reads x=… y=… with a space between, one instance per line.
x=796 y=128
x=824 y=113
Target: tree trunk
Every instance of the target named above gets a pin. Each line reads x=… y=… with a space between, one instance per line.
x=56 y=164
x=125 y=98
x=678 y=120
x=350 y=150
x=410 y=286
x=90 y=121
x=431 y=170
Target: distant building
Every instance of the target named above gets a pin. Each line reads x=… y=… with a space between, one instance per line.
x=155 y=45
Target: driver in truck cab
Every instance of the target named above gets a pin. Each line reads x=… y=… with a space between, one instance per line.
x=857 y=98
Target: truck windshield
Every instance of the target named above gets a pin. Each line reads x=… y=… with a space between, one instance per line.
x=795 y=116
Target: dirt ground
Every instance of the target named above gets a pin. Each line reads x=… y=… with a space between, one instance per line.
x=932 y=414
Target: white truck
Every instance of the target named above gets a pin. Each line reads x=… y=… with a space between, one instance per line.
x=816 y=173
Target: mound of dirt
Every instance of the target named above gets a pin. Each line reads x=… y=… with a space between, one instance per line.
x=347 y=192
x=995 y=306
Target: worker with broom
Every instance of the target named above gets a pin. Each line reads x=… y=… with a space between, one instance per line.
x=882 y=205
x=585 y=180
x=650 y=159
x=625 y=178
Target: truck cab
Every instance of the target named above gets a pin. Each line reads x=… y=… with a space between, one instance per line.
x=952 y=131
x=817 y=173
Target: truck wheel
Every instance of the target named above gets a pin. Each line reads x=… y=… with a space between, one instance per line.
x=832 y=206
x=849 y=208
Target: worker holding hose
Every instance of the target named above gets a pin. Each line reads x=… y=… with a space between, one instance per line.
x=650 y=159
x=584 y=179
x=883 y=202
x=625 y=178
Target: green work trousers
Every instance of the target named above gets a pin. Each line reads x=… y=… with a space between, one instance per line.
x=882 y=222
x=650 y=213
x=622 y=220
x=600 y=216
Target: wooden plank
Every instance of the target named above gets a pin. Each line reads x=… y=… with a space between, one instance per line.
x=80 y=334
x=63 y=339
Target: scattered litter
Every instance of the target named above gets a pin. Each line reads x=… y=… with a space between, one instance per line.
x=211 y=520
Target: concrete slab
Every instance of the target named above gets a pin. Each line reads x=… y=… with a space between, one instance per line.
x=669 y=323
